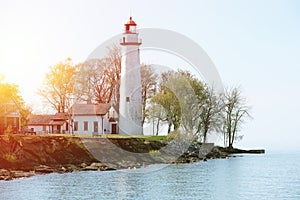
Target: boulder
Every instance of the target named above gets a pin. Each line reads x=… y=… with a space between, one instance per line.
x=44 y=169
x=5 y=175
x=22 y=174
x=216 y=153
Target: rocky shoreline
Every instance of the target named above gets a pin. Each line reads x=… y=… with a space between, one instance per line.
x=25 y=156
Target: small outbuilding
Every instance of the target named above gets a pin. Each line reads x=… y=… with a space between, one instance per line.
x=57 y=123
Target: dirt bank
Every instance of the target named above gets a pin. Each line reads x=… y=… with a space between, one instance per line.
x=25 y=156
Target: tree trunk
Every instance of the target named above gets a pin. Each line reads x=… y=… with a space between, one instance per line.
x=204 y=135
x=157 y=126
x=169 y=125
x=230 y=145
x=144 y=96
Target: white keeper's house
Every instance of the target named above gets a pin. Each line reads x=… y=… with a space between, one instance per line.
x=94 y=119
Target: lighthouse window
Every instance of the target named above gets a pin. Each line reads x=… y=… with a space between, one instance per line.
x=132 y=29
x=127 y=99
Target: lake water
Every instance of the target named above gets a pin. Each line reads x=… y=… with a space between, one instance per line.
x=269 y=176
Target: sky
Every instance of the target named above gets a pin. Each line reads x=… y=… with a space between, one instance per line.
x=254 y=44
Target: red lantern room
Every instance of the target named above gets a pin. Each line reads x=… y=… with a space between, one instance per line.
x=130 y=26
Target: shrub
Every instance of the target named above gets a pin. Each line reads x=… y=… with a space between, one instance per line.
x=154 y=152
x=10 y=157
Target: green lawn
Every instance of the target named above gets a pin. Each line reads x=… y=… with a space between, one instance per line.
x=146 y=137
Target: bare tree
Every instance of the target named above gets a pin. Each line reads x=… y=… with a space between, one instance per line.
x=58 y=86
x=98 y=79
x=88 y=72
x=210 y=112
x=235 y=113
x=149 y=84
x=109 y=80
x=156 y=114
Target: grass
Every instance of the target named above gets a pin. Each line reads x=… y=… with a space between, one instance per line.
x=154 y=152
x=116 y=136
x=154 y=138
x=145 y=137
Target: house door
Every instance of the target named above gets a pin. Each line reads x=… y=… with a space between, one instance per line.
x=58 y=129
x=114 y=129
x=2 y=125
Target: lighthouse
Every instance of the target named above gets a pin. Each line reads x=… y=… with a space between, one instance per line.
x=130 y=112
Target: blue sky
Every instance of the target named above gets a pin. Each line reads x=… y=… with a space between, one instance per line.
x=254 y=44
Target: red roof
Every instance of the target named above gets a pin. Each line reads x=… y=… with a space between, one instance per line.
x=60 y=116
x=53 y=122
x=131 y=22
x=39 y=119
x=44 y=120
x=90 y=109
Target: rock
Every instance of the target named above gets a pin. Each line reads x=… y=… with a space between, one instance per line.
x=90 y=168
x=216 y=153
x=22 y=174
x=146 y=142
x=204 y=149
x=71 y=168
x=64 y=169
x=9 y=175
x=111 y=167
x=96 y=165
x=241 y=151
x=44 y=169
x=103 y=168
x=83 y=165
x=4 y=172
x=5 y=175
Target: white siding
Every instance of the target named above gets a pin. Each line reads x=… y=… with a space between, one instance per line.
x=104 y=126
x=39 y=129
x=130 y=121
x=90 y=120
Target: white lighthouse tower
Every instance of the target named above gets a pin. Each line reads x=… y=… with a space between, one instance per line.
x=130 y=113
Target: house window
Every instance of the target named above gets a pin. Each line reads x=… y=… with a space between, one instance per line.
x=95 y=127
x=127 y=99
x=15 y=122
x=85 y=126
x=67 y=126
x=75 y=126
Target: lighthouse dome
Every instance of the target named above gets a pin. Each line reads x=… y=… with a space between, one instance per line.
x=131 y=22
x=130 y=26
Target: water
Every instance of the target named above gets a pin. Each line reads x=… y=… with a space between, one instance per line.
x=270 y=176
